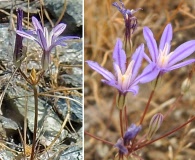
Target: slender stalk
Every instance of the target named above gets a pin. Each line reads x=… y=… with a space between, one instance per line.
x=35 y=121
x=147 y=106
x=25 y=124
x=173 y=106
x=149 y=100
x=99 y=139
x=167 y=134
x=121 y=121
x=125 y=117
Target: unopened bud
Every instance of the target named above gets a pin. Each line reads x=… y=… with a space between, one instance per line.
x=120 y=100
x=185 y=85
x=155 y=124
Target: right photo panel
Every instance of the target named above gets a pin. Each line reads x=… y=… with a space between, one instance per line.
x=139 y=86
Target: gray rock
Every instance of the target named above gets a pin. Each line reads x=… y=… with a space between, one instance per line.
x=73 y=14
x=48 y=122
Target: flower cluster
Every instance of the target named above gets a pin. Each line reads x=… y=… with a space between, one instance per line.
x=126 y=77
x=46 y=40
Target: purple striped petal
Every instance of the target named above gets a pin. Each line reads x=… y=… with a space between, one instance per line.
x=182 y=64
x=60 y=41
x=137 y=57
x=151 y=43
x=29 y=36
x=119 y=55
x=112 y=83
x=42 y=39
x=105 y=73
x=148 y=74
x=36 y=24
x=25 y=35
x=133 y=89
x=147 y=58
x=58 y=29
x=166 y=37
x=181 y=52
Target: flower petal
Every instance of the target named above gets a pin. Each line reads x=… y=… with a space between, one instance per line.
x=25 y=35
x=137 y=57
x=166 y=37
x=105 y=73
x=42 y=39
x=119 y=56
x=182 y=64
x=114 y=84
x=148 y=74
x=147 y=58
x=60 y=41
x=131 y=132
x=36 y=24
x=133 y=89
x=151 y=43
x=181 y=52
x=120 y=145
x=57 y=30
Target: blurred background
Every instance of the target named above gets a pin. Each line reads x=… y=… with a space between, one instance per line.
x=103 y=24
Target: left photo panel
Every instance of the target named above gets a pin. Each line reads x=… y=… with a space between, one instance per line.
x=41 y=80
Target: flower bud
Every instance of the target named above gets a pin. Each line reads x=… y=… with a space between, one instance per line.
x=120 y=145
x=185 y=85
x=155 y=124
x=18 y=50
x=131 y=132
x=120 y=100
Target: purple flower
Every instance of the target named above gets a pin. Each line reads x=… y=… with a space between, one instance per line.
x=46 y=40
x=165 y=60
x=121 y=147
x=125 y=78
x=18 y=42
x=131 y=132
x=129 y=19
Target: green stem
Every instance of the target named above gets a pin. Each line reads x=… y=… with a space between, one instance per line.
x=35 y=121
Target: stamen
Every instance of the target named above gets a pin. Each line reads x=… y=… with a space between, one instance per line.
x=164 y=56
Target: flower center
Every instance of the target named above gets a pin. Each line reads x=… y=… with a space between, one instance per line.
x=124 y=79
x=164 y=56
